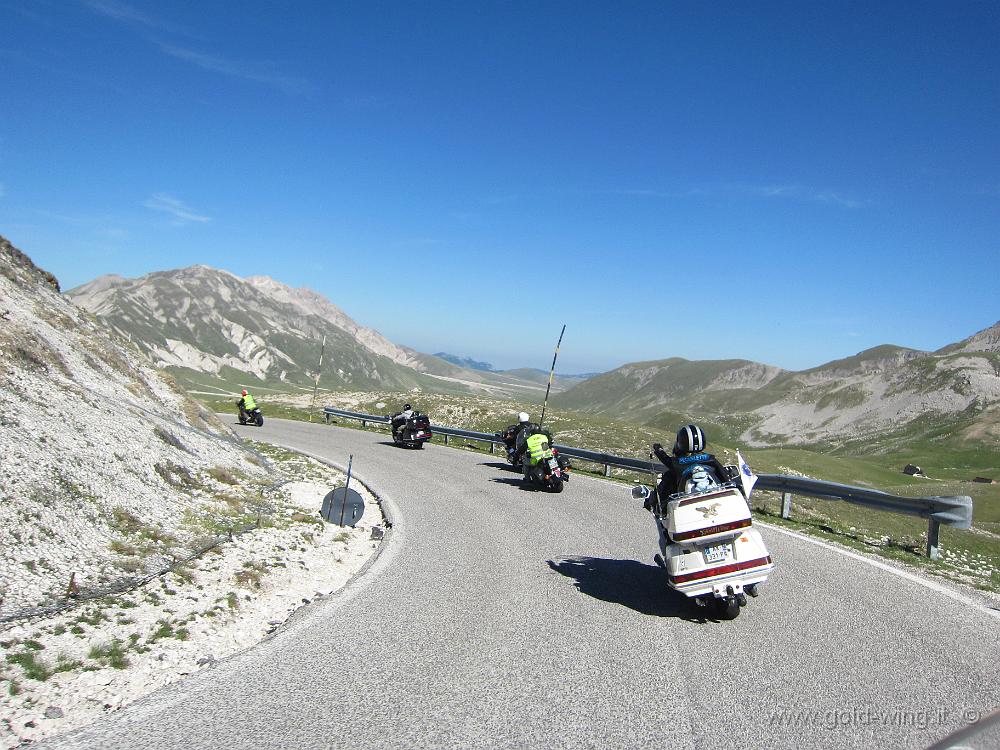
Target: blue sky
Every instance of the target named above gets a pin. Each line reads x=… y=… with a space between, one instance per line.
x=785 y=182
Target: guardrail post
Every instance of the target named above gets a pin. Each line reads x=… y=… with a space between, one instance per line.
x=933 y=539
x=492 y=447
x=786 y=504
x=607 y=470
x=364 y=424
x=327 y=418
x=446 y=439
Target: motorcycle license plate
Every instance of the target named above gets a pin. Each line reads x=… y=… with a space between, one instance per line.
x=420 y=434
x=717 y=553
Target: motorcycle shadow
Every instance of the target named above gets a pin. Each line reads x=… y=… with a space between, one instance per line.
x=632 y=584
x=501 y=466
x=518 y=482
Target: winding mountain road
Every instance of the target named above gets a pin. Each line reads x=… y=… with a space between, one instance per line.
x=499 y=617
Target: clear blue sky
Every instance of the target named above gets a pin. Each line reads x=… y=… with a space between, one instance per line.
x=786 y=182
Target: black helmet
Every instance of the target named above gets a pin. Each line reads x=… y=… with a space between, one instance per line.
x=690 y=439
x=406 y=407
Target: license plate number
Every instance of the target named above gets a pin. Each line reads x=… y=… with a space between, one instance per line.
x=717 y=553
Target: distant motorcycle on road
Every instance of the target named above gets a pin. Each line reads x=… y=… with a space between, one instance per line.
x=411 y=432
x=253 y=416
x=542 y=464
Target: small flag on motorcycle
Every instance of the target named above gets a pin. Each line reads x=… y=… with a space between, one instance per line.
x=747 y=478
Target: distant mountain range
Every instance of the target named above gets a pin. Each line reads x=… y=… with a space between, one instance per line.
x=528 y=373
x=201 y=321
x=216 y=330
x=461 y=361
x=879 y=399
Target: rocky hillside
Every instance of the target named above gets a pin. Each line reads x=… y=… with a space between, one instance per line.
x=886 y=396
x=201 y=320
x=105 y=462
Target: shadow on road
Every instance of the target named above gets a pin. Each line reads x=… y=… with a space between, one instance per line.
x=502 y=467
x=630 y=583
x=515 y=482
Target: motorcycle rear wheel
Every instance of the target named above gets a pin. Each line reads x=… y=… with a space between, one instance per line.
x=556 y=485
x=728 y=608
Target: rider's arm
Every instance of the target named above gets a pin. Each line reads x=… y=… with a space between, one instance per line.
x=662 y=455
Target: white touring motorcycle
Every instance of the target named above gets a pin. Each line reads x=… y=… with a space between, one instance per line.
x=710 y=550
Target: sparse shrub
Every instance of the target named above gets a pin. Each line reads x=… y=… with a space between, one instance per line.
x=123 y=548
x=222 y=475
x=129 y=565
x=125 y=521
x=33 y=668
x=176 y=475
x=111 y=654
x=163 y=630
x=170 y=438
x=185 y=573
x=66 y=664
x=250 y=575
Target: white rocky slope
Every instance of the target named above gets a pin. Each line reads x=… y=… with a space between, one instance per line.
x=117 y=497
x=93 y=440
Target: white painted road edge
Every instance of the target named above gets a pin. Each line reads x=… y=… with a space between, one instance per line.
x=914 y=577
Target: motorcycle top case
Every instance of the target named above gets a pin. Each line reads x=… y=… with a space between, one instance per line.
x=419 y=423
x=718 y=513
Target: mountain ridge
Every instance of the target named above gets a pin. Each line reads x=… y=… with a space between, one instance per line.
x=256 y=330
x=881 y=392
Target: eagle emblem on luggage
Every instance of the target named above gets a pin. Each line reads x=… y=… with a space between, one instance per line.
x=709 y=511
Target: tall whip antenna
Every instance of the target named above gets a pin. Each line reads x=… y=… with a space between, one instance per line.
x=552 y=373
x=319 y=370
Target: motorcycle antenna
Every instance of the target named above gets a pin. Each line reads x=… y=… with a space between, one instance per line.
x=552 y=373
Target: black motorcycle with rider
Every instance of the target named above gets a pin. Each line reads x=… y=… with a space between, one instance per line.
x=410 y=428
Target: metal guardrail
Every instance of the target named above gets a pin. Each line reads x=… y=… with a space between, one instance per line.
x=950 y=511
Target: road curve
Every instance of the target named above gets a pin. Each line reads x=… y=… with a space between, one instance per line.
x=499 y=617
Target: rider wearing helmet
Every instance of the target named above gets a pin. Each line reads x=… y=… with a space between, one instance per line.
x=509 y=435
x=525 y=429
x=246 y=404
x=688 y=468
x=399 y=419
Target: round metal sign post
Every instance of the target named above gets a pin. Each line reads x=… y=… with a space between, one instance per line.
x=345 y=503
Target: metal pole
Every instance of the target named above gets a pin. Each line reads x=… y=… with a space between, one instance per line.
x=492 y=447
x=446 y=439
x=343 y=505
x=607 y=470
x=312 y=406
x=933 y=538
x=552 y=373
x=786 y=504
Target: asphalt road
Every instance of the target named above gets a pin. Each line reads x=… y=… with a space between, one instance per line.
x=500 y=617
